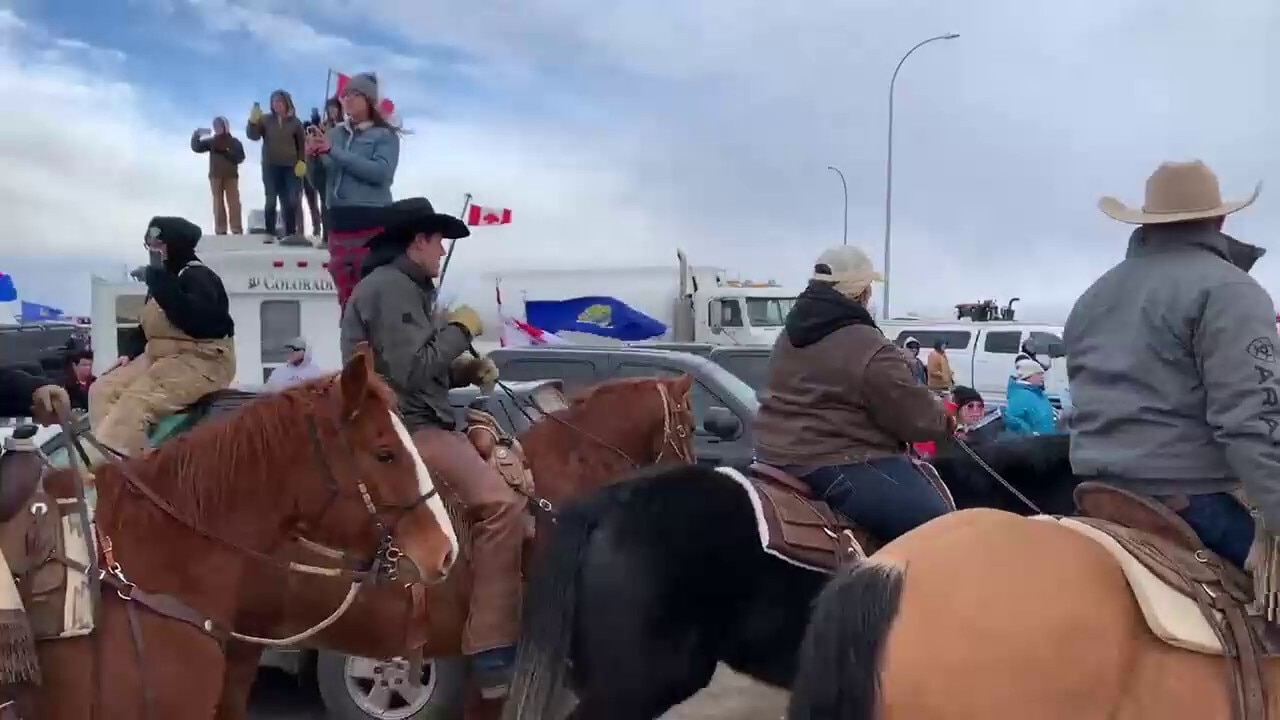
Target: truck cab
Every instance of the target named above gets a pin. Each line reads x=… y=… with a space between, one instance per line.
x=739 y=313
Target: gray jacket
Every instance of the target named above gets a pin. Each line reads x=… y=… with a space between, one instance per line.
x=1171 y=357
x=392 y=309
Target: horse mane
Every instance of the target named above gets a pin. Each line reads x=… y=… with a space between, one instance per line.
x=221 y=467
x=586 y=395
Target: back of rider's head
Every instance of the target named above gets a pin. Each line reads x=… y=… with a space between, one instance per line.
x=848 y=270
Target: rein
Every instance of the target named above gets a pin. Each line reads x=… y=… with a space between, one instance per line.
x=136 y=483
x=385 y=556
x=991 y=471
x=674 y=432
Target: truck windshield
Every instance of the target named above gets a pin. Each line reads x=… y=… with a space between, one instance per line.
x=768 y=312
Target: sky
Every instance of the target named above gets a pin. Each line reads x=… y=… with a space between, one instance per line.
x=619 y=132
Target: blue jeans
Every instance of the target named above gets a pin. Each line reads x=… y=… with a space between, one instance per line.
x=279 y=183
x=887 y=497
x=1223 y=524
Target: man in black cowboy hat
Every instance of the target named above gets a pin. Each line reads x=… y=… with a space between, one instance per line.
x=421 y=354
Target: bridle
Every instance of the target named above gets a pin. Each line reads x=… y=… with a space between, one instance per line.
x=675 y=428
x=382 y=561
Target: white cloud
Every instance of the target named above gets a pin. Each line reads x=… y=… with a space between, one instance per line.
x=632 y=128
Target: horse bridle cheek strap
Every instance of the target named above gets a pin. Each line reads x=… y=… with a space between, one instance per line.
x=385 y=557
x=675 y=432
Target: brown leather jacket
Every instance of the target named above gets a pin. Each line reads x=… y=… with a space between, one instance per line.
x=839 y=392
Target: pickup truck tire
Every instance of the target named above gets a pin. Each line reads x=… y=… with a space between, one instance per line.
x=361 y=689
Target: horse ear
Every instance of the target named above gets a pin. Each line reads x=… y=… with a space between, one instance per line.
x=682 y=384
x=355 y=379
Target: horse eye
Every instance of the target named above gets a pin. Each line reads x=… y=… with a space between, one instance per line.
x=385 y=456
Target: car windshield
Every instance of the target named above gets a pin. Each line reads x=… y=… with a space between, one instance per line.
x=768 y=312
x=719 y=378
x=1047 y=342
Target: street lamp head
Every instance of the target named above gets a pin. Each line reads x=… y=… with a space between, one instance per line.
x=951 y=36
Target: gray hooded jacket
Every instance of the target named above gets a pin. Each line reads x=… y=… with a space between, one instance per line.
x=1171 y=356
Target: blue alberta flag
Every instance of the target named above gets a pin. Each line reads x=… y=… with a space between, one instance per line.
x=595 y=315
x=35 y=312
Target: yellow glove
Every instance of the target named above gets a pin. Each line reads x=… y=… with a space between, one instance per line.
x=300 y=169
x=50 y=404
x=481 y=372
x=468 y=318
x=255 y=114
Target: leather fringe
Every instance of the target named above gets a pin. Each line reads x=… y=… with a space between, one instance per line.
x=19 y=663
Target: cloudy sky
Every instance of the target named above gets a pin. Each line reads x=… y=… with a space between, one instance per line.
x=620 y=131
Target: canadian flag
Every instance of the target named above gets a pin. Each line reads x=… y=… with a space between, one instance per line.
x=480 y=215
x=518 y=333
x=385 y=106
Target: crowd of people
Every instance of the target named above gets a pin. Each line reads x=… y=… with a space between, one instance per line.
x=335 y=169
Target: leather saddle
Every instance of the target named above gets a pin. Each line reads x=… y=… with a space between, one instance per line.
x=1190 y=597
x=800 y=528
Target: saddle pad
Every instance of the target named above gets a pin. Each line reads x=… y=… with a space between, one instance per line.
x=797 y=530
x=1172 y=616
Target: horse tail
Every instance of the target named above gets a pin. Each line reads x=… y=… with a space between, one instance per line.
x=549 y=614
x=838 y=675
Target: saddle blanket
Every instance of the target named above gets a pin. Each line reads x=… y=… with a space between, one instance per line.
x=1171 y=615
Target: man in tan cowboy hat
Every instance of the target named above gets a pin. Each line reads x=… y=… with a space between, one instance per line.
x=1172 y=361
x=421 y=353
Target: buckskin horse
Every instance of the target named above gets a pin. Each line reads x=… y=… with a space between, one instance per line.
x=178 y=528
x=1119 y=613
x=608 y=430
x=644 y=586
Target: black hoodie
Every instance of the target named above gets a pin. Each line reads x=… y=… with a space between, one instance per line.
x=821 y=310
x=191 y=295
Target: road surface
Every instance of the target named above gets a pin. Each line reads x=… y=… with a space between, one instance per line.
x=730 y=697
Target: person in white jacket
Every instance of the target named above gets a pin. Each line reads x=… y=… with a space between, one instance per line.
x=298 y=368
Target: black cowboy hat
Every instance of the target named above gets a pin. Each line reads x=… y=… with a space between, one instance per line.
x=404 y=219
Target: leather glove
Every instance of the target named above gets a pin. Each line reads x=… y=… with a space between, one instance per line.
x=467 y=317
x=50 y=404
x=300 y=169
x=481 y=372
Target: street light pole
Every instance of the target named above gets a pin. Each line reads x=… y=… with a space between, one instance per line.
x=888 y=171
x=844 y=185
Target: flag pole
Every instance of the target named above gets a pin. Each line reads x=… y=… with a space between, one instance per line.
x=328 y=81
x=453 y=245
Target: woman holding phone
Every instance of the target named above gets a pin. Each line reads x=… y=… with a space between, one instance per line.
x=359 y=157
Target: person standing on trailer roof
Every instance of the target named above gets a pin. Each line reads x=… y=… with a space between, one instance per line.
x=187 y=329
x=226 y=152
x=360 y=157
x=283 y=160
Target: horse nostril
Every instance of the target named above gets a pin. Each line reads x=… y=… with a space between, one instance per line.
x=447 y=563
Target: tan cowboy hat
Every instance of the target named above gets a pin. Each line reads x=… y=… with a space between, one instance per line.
x=1178 y=192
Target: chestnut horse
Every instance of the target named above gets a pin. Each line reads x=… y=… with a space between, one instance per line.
x=984 y=614
x=607 y=431
x=179 y=529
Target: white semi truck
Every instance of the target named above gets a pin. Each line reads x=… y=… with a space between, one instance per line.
x=696 y=303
